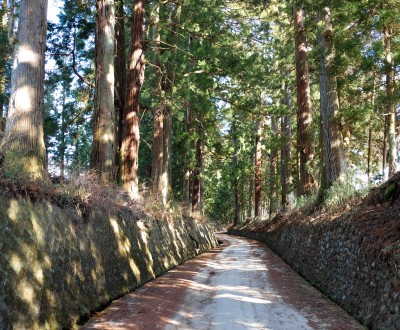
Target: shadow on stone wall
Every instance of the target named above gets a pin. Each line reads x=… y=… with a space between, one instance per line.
x=56 y=267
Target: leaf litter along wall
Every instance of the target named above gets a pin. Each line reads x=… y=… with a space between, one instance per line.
x=57 y=267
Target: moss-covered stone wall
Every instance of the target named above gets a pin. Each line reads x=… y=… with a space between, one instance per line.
x=57 y=266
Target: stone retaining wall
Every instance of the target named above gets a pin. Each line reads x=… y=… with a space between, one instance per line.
x=57 y=266
x=333 y=256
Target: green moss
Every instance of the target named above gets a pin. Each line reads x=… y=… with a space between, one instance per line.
x=22 y=166
x=390 y=188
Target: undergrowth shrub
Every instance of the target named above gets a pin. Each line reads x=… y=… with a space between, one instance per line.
x=348 y=192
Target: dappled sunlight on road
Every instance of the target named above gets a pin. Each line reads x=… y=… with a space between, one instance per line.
x=235 y=294
x=241 y=285
x=245 y=299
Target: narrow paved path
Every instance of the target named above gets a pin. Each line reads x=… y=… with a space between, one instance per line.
x=240 y=285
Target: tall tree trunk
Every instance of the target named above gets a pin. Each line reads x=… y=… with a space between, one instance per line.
x=102 y=159
x=11 y=22
x=23 y=141
x=273 y=169
x=188 y=143
x=135 y=78
x=62 y=145
x=202 y=176
x=3 y=58
x=391 y=107
x=370 y=130
x=236 y=200
x=384 y=147
x=258 y=170
x=6 y=48
x=305 y=145
x=168 y=85
x=196 y=177
x=187 y=189
x=286 y=132
x=120 y=80
x=250 y=212
x=334 y=167
x=158 y=112
x=369 y=153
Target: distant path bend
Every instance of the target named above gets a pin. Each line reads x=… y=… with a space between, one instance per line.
x=240 y=285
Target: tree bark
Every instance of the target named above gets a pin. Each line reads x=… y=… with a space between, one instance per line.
x=286 y=132
x=23 y=142
x=258 y=170
x=236 y=199
x=384 y=147
x=273 y=171
x=120 y=80
x=391 y=107
x=168 y=85
x=305 y=145
x=158 y=113
x=103 y=149
x=11 y=22
x=3 y=58
x=334 y=167
x=6 y=48
x=369 y=153
x=370 y=130
x=196 y=177
x=135 y=78
x=187 y=189
x=62 y=145
x=250 y=212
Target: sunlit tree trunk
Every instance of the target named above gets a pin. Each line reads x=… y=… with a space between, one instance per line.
x=370 y=130
x=187 y=188
x=158 y=112
x=369 y=153
x=384 y=147
x=3 y=58
x=23 y=142
x=190 y=129
x=6 y=47
x=250 y=212
x=11 y=21
x=197 y=177
x=273 y=171
x=235 y=169
x=120 y=79
x=258 y=170
x=168 y=85
x=103 y=148
x=334 y=167
x=62 y=145
x=286 y=132
x=305 y=145
x=135 y=78
x=391 y=107
x=202 y=176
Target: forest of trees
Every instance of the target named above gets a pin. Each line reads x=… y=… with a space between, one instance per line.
x=233 y=108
